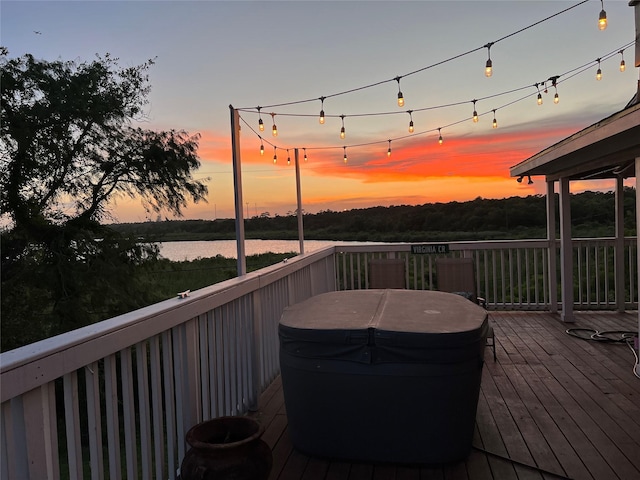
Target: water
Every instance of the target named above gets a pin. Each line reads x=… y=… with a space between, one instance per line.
x=180 y=251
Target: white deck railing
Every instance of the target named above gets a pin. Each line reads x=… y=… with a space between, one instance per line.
x=510 y=275
x=115 y=399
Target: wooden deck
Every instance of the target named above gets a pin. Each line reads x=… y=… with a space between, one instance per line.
x=550 y=402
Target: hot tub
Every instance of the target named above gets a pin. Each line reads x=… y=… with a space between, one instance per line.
x=383 y=375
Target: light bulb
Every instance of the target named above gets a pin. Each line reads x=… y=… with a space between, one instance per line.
x=495 y=122
x=622 y=66
x=389 y=150
x=440 y=140
x=602 y=20
x=345 y=154
x=599 y=74
x=475 y=117
x=539 y=99
x=400 y=96
x=275 y=157
x=260 y=122
x=288 y=158
x=305 y=154
x=342 y=133
x=411 y=129
x=321 y=120
x=261 y=149
x=274 y=130
x=556 y=98
x=488 y=69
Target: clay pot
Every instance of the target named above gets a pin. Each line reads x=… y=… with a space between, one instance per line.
x=226 y=448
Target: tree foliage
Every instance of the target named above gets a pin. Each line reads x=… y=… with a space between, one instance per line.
x=68 y=150
x=480 y=219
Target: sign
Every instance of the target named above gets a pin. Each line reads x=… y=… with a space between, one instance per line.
x=432 y=248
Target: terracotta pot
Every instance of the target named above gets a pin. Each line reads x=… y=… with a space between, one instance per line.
x=226 y=448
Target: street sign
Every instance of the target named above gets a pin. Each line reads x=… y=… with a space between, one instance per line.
x=430 y=248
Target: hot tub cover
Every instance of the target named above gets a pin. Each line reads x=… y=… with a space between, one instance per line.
x=384 y=326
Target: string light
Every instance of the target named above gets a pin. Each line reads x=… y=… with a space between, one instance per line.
x=260 y=122
x=539 y=94
x=622 y=64
x=551 y=79
x=342 y=132
x=288 y=158
x=261 y=146
x=345 y=154
x=321 y=119
x=400 y=96
x=389 y=150
x=602 y=19
x=305 y=154
x=599 y=72
x=275 y=156
x=488 y=69
x=411 y=129
x=274 y=129
x=440 y=136
x=475 y=113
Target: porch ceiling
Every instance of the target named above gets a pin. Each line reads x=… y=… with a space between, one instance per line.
x=605 y=149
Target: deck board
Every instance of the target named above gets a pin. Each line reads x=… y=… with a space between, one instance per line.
x=551 y=401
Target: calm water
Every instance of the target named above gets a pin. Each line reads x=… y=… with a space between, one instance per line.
x=179 y=251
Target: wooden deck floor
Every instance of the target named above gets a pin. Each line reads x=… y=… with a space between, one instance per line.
x=551 y=401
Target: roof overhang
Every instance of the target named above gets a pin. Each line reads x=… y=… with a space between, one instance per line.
x=606 y=149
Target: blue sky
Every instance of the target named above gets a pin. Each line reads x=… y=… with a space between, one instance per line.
x=210 y=54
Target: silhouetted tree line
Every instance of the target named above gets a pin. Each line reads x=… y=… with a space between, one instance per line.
x=509 y=218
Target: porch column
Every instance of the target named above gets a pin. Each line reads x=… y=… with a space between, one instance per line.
x=619 y=245
x=638 y=243
x=551 y=247
x=566 y=252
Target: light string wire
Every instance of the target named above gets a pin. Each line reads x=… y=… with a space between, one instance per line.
x=398 y=77
x=558 y=80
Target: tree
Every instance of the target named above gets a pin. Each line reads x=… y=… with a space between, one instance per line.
x=68 y=150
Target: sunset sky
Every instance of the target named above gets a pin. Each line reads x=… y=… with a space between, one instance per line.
x=210 y=54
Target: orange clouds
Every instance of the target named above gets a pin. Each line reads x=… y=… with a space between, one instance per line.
x=418 y=171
